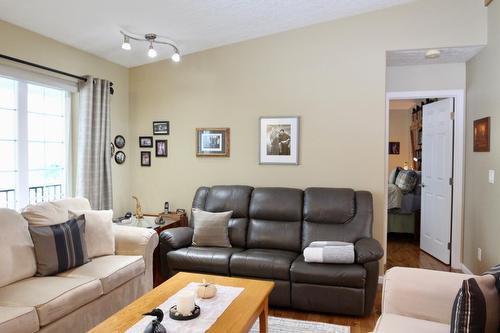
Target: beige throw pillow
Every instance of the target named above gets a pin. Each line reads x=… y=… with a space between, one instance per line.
x=211 y=229
x=44 y=214
x=99 y=234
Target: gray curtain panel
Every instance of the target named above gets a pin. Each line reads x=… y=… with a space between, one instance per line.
x=93 y=173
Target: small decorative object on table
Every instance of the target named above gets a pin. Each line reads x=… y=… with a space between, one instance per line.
x=138 y=208
x=155 y=326
x=206 y=290
x=186 y=308
x=180 y=211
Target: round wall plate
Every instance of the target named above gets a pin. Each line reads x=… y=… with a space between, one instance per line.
x=120 y=157
x=119 y=141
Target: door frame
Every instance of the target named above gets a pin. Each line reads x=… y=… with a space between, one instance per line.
x=458 y=163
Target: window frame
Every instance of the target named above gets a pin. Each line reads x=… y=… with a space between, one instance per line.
x=23 y=79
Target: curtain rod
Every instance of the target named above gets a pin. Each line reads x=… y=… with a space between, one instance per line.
x=24 y=62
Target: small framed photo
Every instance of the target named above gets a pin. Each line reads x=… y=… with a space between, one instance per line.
x=119 y=141
x=145 y=158
x=212 y=142
x=161 y=127
x=161 y=148
x=393 y=148
x=146 y=142
x=279 y=140
x=482 y=135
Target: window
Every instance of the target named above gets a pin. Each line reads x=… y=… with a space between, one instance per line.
x=33 y=143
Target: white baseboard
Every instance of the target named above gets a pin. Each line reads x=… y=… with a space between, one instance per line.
x=466 y=270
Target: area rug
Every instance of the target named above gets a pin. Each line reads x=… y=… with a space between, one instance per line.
x=284 y=325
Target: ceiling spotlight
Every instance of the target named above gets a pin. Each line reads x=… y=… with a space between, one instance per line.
x=432 y=54
x=176 y=57
x=150 y=38
x=152 y=52
x=126 y=43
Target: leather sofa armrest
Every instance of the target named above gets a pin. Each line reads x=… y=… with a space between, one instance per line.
x=138 y=242
x=176 y=238
x=367 y=250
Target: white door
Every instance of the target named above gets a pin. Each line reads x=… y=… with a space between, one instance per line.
x=437 y=173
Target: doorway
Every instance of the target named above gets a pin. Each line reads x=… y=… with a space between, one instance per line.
x=429 y=225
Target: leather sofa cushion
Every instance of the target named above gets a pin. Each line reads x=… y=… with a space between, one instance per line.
x=18 y=319
x=329 y=205
x=392 y=323
x=202 y=259
x=263 y=263
x=264 y=234
x=276 y=204
x=112 y=271
x=353 y=276
x=53 y=297
x=17 y=256
x=226 y=198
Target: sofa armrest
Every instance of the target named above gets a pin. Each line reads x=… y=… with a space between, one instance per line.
x=176 y=238
x=138 y=242
x=420 y=293
x=367 y=250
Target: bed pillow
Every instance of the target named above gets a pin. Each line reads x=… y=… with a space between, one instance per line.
x=406 y=180
x=99 y=234
x=477 y=305
x=59 y=247
x=211 y=229
x=394 y=175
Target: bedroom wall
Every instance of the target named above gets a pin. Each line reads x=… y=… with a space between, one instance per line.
x=27 y=45
x=482 y=210
x=331 y=74
x=399 y=131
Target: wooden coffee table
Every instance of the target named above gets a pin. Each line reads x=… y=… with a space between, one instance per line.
x=240 y=316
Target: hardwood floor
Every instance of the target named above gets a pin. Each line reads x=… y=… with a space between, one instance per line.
x=401 y=251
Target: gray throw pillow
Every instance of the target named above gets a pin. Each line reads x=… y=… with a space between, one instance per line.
x=406 y=180
x=211 y=229
x=59 y=247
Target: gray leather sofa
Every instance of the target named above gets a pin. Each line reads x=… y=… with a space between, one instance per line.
x=269 y=229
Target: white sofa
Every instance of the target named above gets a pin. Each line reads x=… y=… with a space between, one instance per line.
x=418 y=300
x=76 y=300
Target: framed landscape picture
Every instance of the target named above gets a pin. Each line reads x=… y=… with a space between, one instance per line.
x=279 y=140
x=161 y=127
x=482 y=135
x=212 y=142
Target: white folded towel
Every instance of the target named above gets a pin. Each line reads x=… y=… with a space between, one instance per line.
x=330 y=252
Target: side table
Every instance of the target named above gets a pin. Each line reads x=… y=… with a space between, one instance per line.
x=172 y=220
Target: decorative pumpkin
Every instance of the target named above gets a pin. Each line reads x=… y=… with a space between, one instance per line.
x=206 y=290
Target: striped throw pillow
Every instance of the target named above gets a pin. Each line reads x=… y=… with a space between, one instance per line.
x=59 y=247
x=477 y=306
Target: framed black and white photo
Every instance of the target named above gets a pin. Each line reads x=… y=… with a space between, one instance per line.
x=393 y=148
x=146 y=142
x=279 y=140
x=161 y=148
x=145 y=158
x=120 y=157
x=119 y=141
x=161 y=127
x=212 y=142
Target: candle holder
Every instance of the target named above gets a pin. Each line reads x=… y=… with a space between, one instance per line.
x=175 y=315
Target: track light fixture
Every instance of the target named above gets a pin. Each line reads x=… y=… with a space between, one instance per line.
x=151 y=39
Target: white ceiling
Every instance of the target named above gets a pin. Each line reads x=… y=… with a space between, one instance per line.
x=417 y=57
x=195 y=25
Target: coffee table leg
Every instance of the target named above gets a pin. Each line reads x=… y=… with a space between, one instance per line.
x=263 y=317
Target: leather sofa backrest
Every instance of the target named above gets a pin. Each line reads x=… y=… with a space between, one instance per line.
x=275 y=219
x=336 y=214
x=225 y=198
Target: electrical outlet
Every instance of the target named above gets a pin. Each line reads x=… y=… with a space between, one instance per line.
x=479 y=254
x=491 y=176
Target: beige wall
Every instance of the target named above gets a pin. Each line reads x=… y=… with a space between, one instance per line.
x=27 y=45
x=399 y=131
x=482 y=209
x=332 y=75
x=426 y=77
